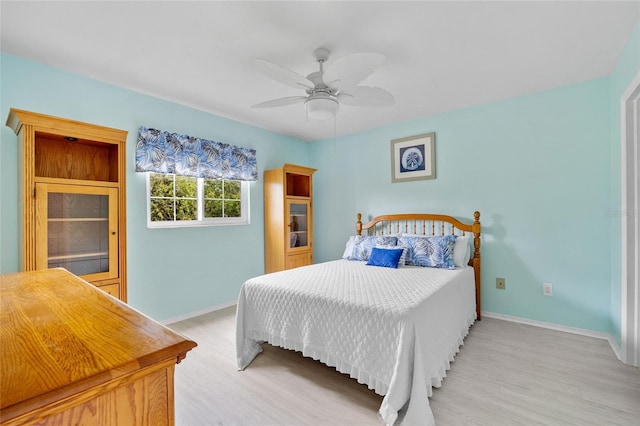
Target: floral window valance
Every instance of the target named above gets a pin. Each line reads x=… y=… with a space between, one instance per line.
x=164 y=152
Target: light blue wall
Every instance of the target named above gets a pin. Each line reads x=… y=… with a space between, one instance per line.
x=627 y=68
x=536 y=167
x=542 y=169
x=171 y=272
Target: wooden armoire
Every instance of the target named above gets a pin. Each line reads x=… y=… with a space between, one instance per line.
x=288 y=217
x=72 y=198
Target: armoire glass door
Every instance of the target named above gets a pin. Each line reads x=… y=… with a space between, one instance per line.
x=298 y=223
x=79 y=225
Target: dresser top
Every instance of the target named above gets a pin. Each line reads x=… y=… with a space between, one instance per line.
x=60 y=335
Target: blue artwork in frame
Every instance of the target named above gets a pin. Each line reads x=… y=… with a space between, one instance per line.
x=413 y=158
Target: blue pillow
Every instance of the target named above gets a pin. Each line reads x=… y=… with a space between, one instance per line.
x=363 y=244
x=433 y=251
x=403 y=257
x=385 y=257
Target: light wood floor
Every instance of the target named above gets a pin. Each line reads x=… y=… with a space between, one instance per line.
x=505 y=374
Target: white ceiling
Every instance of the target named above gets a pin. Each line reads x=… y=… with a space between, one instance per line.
x=441 y=56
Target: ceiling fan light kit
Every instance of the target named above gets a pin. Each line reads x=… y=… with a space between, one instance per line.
x=322 y=108
x=326 y=90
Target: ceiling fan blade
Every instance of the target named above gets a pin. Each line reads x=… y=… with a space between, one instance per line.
x=351 y=70
x=366 y=96
x=283 y=75
x=289 y=100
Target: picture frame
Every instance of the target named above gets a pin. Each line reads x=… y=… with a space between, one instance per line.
x=413 y=158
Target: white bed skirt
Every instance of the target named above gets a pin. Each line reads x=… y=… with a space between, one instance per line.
x=395 y=330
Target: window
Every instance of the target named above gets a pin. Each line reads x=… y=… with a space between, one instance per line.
x=174 y=201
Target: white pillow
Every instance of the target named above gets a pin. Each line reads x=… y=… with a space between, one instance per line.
x=462 y=251
x=348 y=247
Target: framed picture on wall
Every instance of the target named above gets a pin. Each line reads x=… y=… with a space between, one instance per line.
x=413 y=158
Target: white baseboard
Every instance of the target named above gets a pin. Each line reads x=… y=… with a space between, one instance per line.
x=614 y=347
x=198 y=313
x=565 y=328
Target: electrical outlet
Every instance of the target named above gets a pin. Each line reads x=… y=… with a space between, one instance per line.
x=500 y=283
x=547 y=289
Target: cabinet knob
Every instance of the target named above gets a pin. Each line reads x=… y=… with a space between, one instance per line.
x=113 y=233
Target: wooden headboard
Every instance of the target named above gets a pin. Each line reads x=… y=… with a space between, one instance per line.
x=429 y=224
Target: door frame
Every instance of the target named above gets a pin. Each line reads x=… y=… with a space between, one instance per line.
x=630 y=223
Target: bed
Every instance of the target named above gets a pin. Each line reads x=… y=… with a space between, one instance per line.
x=394 y=329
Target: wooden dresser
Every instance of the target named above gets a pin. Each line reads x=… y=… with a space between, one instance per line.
x=71 y=354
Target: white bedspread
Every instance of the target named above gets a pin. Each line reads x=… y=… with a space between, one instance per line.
x=395 y=330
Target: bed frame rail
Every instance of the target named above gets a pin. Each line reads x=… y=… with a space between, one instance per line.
x=429 y=224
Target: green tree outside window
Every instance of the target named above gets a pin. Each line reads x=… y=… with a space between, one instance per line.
x=175 y=198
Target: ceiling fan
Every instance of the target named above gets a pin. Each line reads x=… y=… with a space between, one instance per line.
x=329 y=88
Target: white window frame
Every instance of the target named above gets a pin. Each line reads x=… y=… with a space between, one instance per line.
x=202 y=221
